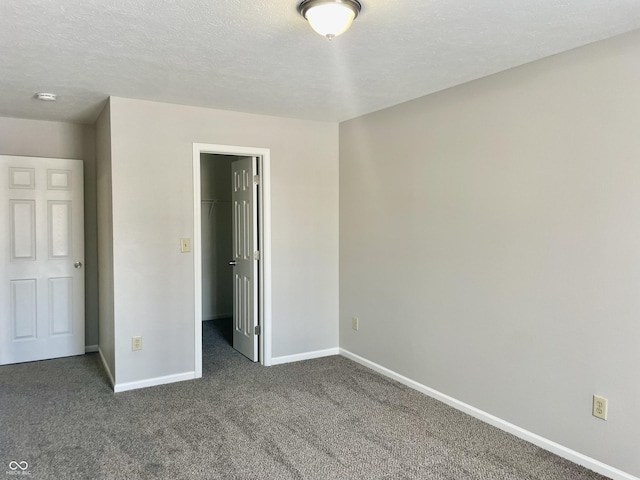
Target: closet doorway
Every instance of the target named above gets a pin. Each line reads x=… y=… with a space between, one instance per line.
x=216 y=241
x=232 y=248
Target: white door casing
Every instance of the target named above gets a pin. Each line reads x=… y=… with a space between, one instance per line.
x=264 y=245
x=42 y=257
x=245 y=260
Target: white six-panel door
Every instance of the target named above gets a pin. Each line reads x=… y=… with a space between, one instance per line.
x=42 y=252
x=245 y=285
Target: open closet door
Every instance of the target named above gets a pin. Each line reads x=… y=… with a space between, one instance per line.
x=245 y=257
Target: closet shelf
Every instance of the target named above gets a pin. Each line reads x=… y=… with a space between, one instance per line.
x=212 y=202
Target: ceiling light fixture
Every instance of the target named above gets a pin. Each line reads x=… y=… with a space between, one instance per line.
x=329 y=18
x=46 y=97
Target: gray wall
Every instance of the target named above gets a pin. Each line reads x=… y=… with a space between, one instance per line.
x=151 y=159
x=104 y=188
x=490 y=244
x=35 y=138
x=217 y=275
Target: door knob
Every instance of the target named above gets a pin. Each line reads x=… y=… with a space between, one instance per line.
x=78 y=264
x=233 y=263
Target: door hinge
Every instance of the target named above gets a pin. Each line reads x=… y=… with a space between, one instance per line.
x=256 y=179
x=257 y=330
x=256 y=255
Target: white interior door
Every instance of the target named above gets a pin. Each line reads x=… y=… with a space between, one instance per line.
x=245 y=258
x=42 y=252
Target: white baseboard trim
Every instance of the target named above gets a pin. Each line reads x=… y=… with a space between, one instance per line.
x=305 y=356
x=106 y=367
x=90 y=348
x=553 y=447
x=152 y=382
x=217 y=316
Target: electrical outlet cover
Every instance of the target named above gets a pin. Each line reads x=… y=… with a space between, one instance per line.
x=600 y=407
x=136 y=344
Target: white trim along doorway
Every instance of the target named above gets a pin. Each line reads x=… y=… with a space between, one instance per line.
x=264 y=245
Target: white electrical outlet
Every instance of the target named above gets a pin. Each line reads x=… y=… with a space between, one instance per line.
x=600 y=407
x=355 y=321
x=136 y=344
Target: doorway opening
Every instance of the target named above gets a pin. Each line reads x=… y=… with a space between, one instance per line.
x=232 y=248
x=216 y=236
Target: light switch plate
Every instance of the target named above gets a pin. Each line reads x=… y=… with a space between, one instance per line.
x=185 y=245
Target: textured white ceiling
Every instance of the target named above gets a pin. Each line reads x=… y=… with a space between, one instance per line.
x=260 y=56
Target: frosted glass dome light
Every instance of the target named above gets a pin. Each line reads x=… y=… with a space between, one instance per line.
x=330 y=18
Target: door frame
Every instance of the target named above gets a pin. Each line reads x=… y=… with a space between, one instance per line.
x=264 y=244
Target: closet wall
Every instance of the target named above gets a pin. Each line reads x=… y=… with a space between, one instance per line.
x=217 y=275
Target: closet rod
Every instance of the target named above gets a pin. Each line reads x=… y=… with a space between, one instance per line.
x=212 y=202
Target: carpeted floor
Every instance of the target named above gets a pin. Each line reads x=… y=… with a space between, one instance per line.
x=319 y=419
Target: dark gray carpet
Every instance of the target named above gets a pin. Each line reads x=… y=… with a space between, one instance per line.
x=319 y=419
